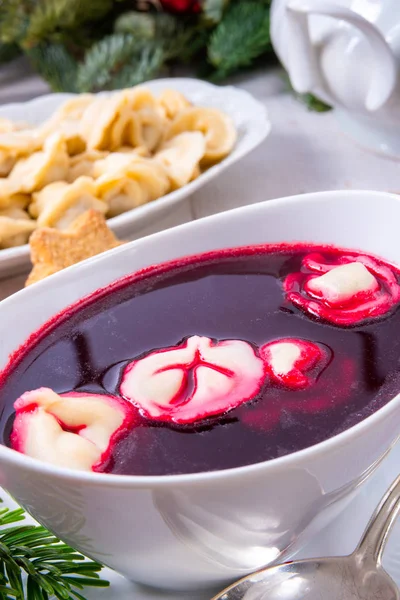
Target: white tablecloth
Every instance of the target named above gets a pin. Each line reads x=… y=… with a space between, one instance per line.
x=305 y=152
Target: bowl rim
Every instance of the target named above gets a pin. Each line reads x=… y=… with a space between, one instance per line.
x=262 y=468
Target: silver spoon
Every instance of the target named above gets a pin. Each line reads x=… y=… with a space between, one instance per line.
x=359 y=576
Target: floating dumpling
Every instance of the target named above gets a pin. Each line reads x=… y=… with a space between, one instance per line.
x=41 y=168
x=218 y=129
x=74 y=430
x=60 y=203
x=128 y=187
x=15 y=227
x=172 y=103
x=181 y=156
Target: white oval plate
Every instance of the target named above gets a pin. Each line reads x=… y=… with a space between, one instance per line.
x=339 y=538
x=249 y=116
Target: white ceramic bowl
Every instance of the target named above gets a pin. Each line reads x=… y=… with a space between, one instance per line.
x=200 y=531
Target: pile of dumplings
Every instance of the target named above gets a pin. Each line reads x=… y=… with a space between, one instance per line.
x=108 y=153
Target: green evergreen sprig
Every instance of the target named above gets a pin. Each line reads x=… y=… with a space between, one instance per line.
x=241 y=37
x=35 y=565
x=91 y=45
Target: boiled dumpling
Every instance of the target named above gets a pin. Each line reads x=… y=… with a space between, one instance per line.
x=21 y=142
x=125 y=130
x=115 y=161
x=83 y=164
x=41 y=168
x=7 y=163
x=172 y=103
x=6 y=125
x=59 y=203
x=139 y=98
x=152 y=128
x=14 y=144
x=181 y=156
x=130 y=186
x=66 y=120
x=98 y=120
x=218 y=129
x=70 y=110
x=120 y=193
x=15 y=227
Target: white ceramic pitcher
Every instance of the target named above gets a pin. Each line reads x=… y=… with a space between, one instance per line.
x=346 y=52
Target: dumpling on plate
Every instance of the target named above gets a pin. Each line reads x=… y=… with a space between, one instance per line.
x=99 y=119
x=8 y=198
x=132 y=185
x=217 y=128
x=125 y=130
x=66 y=120
x=14 y=144
x=41 y=168
x=151 y=128
x=172 y=103
x=181 y=156
x=60 y=203
x=15 y=227
x=83 y=164
x=6 y=125
x=139 y=98
x=116 y=160
x=21 y=142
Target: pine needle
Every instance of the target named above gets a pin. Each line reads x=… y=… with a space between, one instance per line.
x=103 y=59
x=143 y=65
x=118 y=60
x=240 y=37
x=13 y=21
x=214 y=9
x=54 y=63
x=51 y=568
x=49 y=16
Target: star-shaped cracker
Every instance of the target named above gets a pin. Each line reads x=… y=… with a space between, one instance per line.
x=53 y=250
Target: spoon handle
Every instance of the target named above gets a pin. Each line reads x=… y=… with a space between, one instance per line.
x=372 y=544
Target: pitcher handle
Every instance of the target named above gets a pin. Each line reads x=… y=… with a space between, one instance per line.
x=303 y=65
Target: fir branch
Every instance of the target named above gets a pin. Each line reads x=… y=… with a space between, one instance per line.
x=50 y=16
x=241 y=36
x=144 y=64
x=141 y=25
x=55 y=65
x=52 y=568
x=13 y=21
x=213 y=10
x=104 y=60
x=313 y=103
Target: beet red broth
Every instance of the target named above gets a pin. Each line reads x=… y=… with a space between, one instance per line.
x=226 y=295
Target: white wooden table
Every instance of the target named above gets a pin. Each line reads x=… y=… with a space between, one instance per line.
x=305 y=152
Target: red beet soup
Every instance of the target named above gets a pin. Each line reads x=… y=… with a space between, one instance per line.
x=211 y=362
